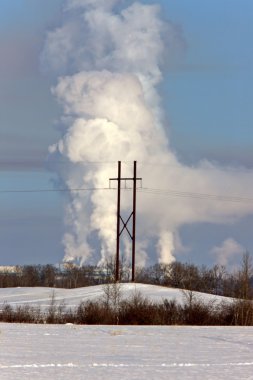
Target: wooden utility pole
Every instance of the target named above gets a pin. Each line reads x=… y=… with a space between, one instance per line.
x=121 y=224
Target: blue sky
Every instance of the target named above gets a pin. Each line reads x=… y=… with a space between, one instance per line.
x=206 y=93
x=213 y=85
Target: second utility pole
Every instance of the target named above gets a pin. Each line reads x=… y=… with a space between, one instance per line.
x=118 y=223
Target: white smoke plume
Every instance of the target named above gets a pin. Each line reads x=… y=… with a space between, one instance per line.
x=108 y=56
x=229 y=253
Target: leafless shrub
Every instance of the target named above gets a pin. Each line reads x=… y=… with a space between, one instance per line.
x=136 y=310
x=21 y=314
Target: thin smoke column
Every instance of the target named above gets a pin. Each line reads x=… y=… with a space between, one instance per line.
x=108 y=58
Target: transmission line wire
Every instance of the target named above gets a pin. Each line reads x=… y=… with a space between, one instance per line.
x=54 y=190
x=145 y=190
x=200 y=196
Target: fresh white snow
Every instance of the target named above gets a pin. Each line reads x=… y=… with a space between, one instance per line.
x=119 y=352
x=125 y=352
x=39 y=296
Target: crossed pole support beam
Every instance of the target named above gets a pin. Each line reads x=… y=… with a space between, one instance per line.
x=121 y=224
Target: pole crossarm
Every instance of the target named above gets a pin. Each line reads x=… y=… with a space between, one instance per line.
x=132 y=216
x=125 y=179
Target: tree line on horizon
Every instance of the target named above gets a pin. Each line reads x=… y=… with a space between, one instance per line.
x=113 y=309
x=215 y=280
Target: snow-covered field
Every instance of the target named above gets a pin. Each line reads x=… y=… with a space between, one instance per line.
x=119 y=352
x=72 y=297
x=125 y=352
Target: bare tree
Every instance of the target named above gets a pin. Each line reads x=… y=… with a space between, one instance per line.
x=244 y=277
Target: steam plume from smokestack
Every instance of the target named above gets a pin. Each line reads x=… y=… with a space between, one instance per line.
x=109 y=58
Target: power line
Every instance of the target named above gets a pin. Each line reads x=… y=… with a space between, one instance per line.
x=54 y=190
x=145 y=190
x=192 y=167
x=81 y=162
x=200 y=196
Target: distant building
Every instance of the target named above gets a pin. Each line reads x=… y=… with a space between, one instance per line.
x=8 y=269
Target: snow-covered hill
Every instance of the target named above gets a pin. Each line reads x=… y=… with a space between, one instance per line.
x=119 y=352
x=40 y=296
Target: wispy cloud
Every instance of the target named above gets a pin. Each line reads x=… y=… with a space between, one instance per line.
x=229 y=253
